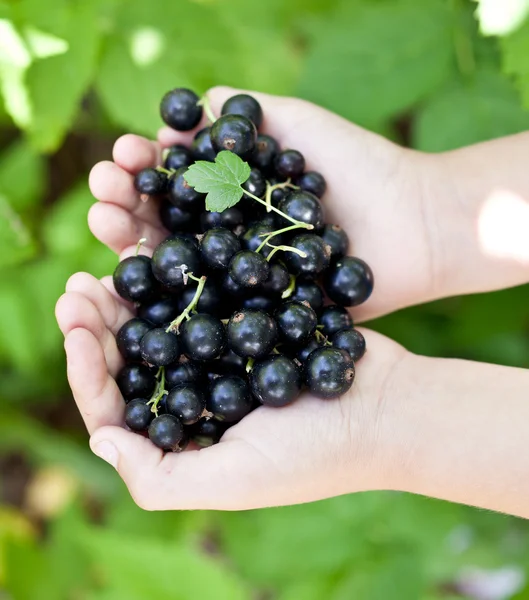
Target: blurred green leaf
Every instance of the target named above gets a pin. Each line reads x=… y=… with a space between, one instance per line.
x=372 y=60
x=17 y=240
x=515 y=54
x=471 y=111
x=22 y=175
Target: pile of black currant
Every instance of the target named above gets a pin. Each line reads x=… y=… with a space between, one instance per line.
x=243 y=304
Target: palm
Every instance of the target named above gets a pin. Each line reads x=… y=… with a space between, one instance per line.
x=272 y=456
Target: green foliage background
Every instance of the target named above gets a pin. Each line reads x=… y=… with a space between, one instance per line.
x=74 y=74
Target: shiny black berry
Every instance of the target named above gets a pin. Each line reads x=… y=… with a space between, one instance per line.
x=231 y=287
x=234 y=133
x=207 y=432
x=252 y=333
x=129 y=336
x=136 y=381
x=166 y=432
x=289 y=163
x=249 y=269
x=350 y=340
x=177 y=156
x=277 y=282
x=181 y=194
x=310 y=292
x=316 y=256
x=151 y=182
x=201 y=147
x=169 y=259
x=159 y=347
x=253 y=237
x=312 y=182
x=329 y=372
x=244 y=105
x=336 y=238
x=228 y=363
x=229 y=399
x=333 y=318
x=296 y=323
x=302 y=206
x=304 y=352
x=256 y=183
x=187 y=402
x=138 y=414
x=203 y=337
x=260 y=302
x=275 y=381
x=159 y=311
x=217 y=248
x=180 y=110
x=229 y=218
x=210 y=300
x=266 y=149
x=175 y=219
x=183 y=373
x=349 y=281
x=134 y=279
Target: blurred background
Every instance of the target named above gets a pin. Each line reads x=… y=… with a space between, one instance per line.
x=75 y=74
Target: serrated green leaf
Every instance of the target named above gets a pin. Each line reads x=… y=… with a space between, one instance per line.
x=221 y=180
x=372 y=60
x=468 y=112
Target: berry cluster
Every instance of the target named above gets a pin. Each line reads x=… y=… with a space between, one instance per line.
x=231 y=311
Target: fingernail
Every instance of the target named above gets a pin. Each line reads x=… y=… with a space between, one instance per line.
x=107 y=451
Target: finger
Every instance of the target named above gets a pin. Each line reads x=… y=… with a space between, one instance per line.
x=111 y=184
x=134 y=153
x=95 y=391
x=73 y=311
x=118 y=228
x=113 y=312
x=108 y=283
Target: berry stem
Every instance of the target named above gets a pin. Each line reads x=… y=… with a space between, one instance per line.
x=276 y=186
x=140 y=243
x=290 y=289
x=322 y=338
x=204 y=102
x=168 y=172
x=285 y=249
x=276 y=210
x=159 y=392
x=191 y=307
x=272 y=234
x=250 y=364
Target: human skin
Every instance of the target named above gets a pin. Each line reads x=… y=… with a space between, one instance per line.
x=430 y=226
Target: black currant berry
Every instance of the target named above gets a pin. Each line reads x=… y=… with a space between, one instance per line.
x=129 y=336
x=180 y=110
x=201 y=147
x=252 y=333
x=265 y=151
x=203 y=337
x=279 y=193
x=231 y=287
x=151 y=182
x=160 y=311
x=275 y=381
x=207 y=432
x=310 y=292
x=210 y=300
x=289 y=163
x=349 y=281
x=138 y=414
x=166 y=432
x=329 y=372
x=266 y=303
x=217 y=248
x=228 y=363
x=175 y=219
x=249 y=269
x=296 y=323
x=183 y=373
x=159 y=347
x=350 y=340
x=277 y=282
x=134 y=279
x=170 y=256
x=177 y=156
x=333 y=318
x=316 y=256
x=181 y=194
x=336 y=238
x=302 y=206
x=229 y=219
x=234 y=133
x=253 y=237
x=229 y=399
x=312 y=182
x=256 y=183
x=136 y=381
x=311 y=345
x=244 y=105
x=187 y=402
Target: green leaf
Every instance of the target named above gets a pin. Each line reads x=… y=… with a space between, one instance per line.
x=22 y=175
x=372 y=60
x=466 y=112
x=221 y=180
x=515 y=59
x=18 y=244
